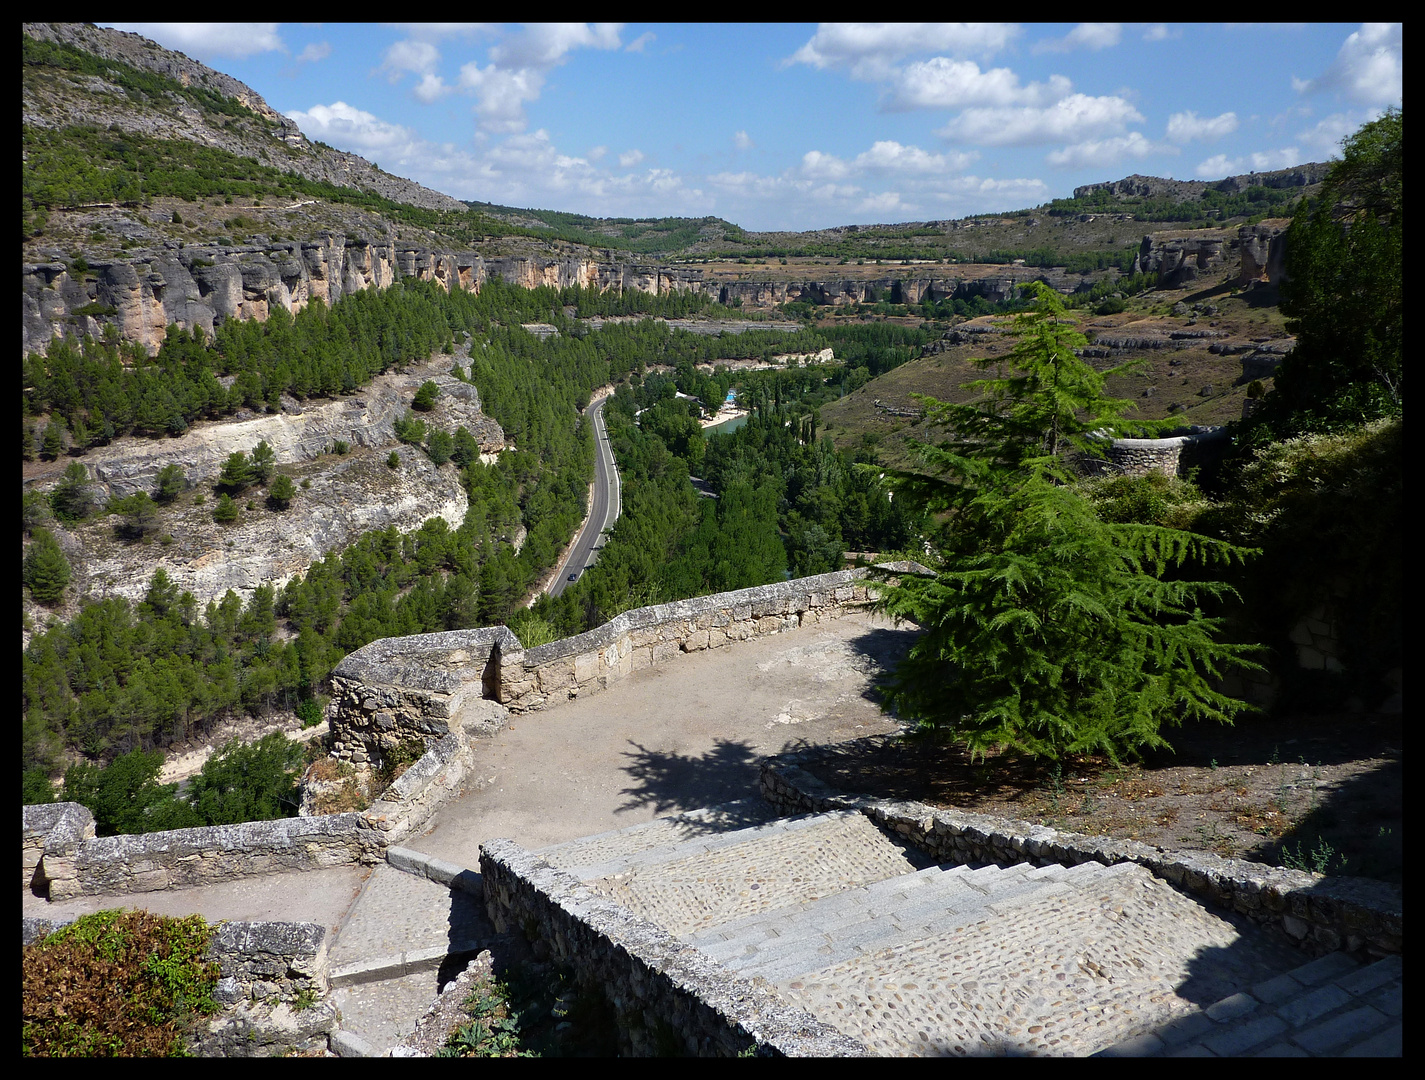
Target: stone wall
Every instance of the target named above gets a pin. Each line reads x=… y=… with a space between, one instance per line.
x=182 y=857
x=663 y=991
x=398 y=690
x=272 y=985
x=1316 y=913
x=1173 y=456
x=54 y=827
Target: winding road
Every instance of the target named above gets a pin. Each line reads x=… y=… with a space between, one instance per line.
x=603 y=511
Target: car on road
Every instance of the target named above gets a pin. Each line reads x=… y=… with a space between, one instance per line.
x=574 y=576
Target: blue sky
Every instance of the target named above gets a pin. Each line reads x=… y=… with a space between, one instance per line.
x=787 y=126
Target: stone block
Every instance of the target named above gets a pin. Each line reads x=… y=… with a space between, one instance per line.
x=586 y=667
x=696 y=642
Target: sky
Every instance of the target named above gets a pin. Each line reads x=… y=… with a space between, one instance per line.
x=787 y=126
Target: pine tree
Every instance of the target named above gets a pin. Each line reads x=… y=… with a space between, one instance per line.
x=263 y=460
x=46 y=572
x=237 y=472
x=282 y=492
x=226 y=512
x=53 y=445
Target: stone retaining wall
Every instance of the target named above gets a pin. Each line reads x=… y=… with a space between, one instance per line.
x=62 y=858
x=668 y=997
x=397 y=690
x=1318 y=914
x=1173 y=456
x=272 y=985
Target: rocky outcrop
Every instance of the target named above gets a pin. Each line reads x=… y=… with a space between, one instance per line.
x=1179 y=257
x=1158 y=187
x=1263 y=248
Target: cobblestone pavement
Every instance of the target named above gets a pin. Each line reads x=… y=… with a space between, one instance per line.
x=1331 y=1007
x=781 y=866
x=1064 y=974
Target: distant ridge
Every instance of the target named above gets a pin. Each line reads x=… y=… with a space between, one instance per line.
x=1158 y=187
x=274 y=140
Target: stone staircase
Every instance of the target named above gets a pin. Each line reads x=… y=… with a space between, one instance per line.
x=918 y=959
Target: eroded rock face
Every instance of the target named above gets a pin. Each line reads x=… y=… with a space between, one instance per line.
x=348 y=496
x=1263 y=251
x=1178 y=258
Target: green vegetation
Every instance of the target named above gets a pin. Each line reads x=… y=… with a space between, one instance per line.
x=1049 y=630
x=117 y=984
x=281 y=493
x=45 y=569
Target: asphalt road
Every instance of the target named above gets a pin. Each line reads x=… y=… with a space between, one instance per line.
x=605 y=508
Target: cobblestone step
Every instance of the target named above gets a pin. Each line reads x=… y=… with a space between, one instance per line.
x=602 y=853
x=1102 y=953
x=931 y=911
x=1331 y=1007
x=713 y=880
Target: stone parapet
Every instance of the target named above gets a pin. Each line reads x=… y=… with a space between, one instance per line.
x=183 y=857
x=1318 y=914
x=398 y=690
x=668 y=997
x=51 y=833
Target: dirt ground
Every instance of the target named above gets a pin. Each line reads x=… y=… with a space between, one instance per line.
x=1321 y=793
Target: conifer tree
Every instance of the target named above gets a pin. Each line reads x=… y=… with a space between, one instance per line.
x=1049 y=631
x=46 y=571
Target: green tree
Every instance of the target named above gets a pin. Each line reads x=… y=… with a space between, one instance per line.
x=171 y=483
x=1343 y=293
x=53 y=444
x=263 y=460
x=1049 y=631
x=282 y=492
x=424 y=401
x=45 y=569
x=440 y=446
x=249 y=782
x=236 y=474
x=34 y=511
x=226 y=512
x=125 y=796
x=138 y=516
x=71 y=499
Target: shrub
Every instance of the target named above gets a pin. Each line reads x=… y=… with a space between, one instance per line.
x=282 y=492
x=117 y=984
x=393 y=460
x=249 y=782
x=171 y=483
x=226 y=512
x=424 y=400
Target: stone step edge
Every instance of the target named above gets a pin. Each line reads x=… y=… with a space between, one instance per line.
x=666 y=853
x=692 y=816
x=449 y=874
x=412 y=962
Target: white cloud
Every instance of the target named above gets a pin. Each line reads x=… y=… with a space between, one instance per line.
x=1076 y=117
x=817 y=165
x=890 y=156
x=1326 y=135
x=1367 y=69
x=596 y=153
x=943 y=83
x=1093 y=36
x=885 y=203
x=869 y=50
x=1221 y=165
x=743 y=141
x=1102 y=153
x=1186 y=126
x=318 y=50
x=413 y=56
x=638 y=43
x=209 y=40
x=1160 y=32
x=518 y=65
x=629 y=158
x=349 y=128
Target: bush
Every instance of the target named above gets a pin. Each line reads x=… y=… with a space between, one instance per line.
x=282 y=492
x=138 y=516
x=393 y=460
x=171 y=483
x=125 y=796
x=226 y=512
x=424 y=400
x=117 y=984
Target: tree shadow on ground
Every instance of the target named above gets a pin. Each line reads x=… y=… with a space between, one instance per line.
x=673 y=782
x=884 y=647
